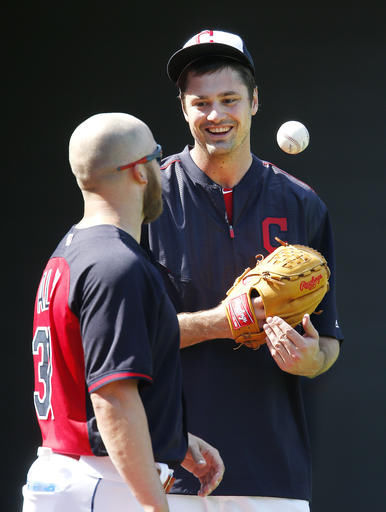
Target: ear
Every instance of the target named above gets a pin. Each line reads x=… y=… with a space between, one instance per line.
x=139 y=174
x=255 y=102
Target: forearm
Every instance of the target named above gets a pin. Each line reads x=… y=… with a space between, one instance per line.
x=123 y=426
x=203 y=325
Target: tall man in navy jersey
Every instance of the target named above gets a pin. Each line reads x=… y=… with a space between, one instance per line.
x=222 y=206
x=106 y=343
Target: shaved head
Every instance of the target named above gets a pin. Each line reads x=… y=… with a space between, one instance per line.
x=104 y=142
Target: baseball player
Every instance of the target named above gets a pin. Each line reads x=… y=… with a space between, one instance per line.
x=222 y=206
x=106 y=343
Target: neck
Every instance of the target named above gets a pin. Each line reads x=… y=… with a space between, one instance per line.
x=98 y=210
x=226 y=169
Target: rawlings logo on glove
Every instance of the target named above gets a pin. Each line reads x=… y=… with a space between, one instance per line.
x=291 y=282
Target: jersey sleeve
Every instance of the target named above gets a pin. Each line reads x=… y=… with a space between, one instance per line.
x=114 y=323
x=321 y=239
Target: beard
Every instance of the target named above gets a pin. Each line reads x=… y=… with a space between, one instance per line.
x=152 y=198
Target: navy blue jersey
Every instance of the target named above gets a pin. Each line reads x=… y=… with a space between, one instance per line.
x=239 y=400
x=102 y=314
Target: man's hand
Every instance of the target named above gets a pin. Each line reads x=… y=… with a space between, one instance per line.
x=294 y=353
x=259 y=310
x=205 y=463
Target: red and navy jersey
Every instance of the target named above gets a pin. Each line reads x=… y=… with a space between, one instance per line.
x=240 y=400
x=102 y=314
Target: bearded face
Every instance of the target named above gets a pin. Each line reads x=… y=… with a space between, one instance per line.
x=152 y=199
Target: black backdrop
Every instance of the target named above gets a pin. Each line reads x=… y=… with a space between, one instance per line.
x=323 y=66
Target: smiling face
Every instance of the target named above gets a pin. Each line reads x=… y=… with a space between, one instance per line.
x=218 y=108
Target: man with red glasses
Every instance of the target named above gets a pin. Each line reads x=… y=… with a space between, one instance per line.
x=222 y=206
x=106 y=343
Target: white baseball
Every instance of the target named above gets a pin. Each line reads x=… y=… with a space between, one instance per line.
x=293 y=137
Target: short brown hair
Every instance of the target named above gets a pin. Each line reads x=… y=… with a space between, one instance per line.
x=211 y=65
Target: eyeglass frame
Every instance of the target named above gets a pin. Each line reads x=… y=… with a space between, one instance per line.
x=156 y=155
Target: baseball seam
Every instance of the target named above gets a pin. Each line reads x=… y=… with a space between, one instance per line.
x=295 y=142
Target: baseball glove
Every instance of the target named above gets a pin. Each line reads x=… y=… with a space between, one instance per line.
x=291 y=281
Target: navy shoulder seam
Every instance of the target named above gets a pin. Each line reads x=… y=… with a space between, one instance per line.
x=292 y=178
x=165 y=165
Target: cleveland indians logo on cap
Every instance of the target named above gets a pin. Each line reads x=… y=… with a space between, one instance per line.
x=203 y=33
x=216 y=36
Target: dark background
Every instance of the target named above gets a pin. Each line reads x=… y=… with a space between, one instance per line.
x=325 y=67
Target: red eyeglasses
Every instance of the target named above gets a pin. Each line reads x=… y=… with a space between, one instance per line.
x=156 y=155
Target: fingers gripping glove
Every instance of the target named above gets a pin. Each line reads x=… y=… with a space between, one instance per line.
x=291 y=281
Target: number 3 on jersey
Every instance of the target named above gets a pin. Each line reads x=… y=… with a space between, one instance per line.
x=41 y=346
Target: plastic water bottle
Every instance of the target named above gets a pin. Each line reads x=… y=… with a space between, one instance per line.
x=45 y=476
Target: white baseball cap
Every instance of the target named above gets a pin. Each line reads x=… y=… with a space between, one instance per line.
x=207 y=43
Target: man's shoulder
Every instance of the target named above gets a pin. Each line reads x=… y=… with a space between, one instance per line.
x=172 y=163
x=102 y=252
x=280 y=174
x=289 y=185
x=177 y=172
x=171 y=160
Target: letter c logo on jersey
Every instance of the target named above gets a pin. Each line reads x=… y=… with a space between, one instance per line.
x=266 y=225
